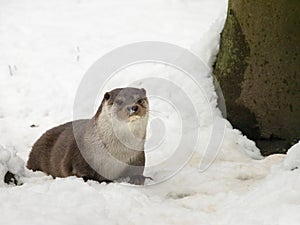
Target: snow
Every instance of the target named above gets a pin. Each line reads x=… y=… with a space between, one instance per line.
x=46 y=48
x=292 y=160
x=10 y=161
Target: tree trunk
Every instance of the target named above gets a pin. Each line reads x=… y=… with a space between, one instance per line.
x=258 y=69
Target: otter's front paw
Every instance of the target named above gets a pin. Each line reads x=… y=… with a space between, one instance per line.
x=138 y=179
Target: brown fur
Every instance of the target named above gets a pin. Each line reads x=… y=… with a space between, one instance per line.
x=57 y=153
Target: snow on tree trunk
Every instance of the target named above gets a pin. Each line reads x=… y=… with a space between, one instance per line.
x=258 y=68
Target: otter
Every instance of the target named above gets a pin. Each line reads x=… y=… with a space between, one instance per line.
x=108 y=147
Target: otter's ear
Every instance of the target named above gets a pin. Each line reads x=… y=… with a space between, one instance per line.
x=106 y=96
x=143 y=90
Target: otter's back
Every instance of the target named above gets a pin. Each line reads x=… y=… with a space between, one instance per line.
x=40 y=155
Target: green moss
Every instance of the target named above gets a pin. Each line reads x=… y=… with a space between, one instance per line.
x=233 y=54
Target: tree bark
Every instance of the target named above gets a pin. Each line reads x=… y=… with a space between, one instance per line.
x=258 y=69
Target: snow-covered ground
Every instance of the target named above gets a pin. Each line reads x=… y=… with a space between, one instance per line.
x=46 y=48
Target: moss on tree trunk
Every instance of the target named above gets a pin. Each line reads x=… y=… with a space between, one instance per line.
x=258 y=68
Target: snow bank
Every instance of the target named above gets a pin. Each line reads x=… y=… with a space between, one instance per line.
x=246 y=146
x=292 y=160
x=9 y=161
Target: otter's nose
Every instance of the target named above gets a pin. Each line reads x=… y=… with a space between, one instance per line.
x=132 y=109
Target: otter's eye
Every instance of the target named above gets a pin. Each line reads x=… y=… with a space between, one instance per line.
x=106 y=96
x=141 y=101
x=119 y=102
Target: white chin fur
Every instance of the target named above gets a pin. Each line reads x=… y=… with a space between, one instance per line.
x=136 y=124
x=134 y=118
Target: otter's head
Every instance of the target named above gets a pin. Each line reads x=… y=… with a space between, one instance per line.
x=124 y=112
x=126 y=104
